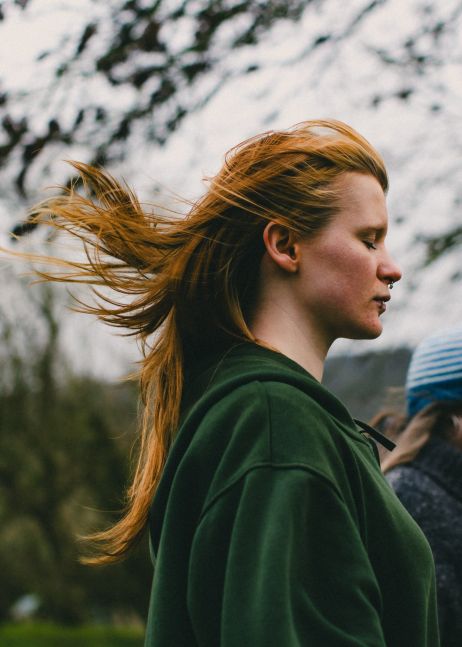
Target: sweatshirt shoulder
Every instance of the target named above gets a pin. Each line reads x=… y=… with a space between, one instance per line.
x=272 y=398
x=272 y=422
x=301 y=429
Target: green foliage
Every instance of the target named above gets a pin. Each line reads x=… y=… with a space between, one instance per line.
x=47 y=635
x=65 y=444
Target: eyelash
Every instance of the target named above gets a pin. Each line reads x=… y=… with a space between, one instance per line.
x=370 y=245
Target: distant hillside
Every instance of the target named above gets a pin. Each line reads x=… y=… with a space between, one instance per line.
x=368 y=382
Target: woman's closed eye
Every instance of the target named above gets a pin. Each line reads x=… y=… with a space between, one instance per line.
x=370 y=244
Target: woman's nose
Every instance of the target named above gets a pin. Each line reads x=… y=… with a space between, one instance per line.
x=389 y=270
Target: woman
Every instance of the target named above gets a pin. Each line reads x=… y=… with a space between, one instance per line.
x=270 y=522
x=425 y=470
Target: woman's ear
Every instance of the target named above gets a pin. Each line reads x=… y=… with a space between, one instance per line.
x=281 y=246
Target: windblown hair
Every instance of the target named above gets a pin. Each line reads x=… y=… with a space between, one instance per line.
x=190 y=281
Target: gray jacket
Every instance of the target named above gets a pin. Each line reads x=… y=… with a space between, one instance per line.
x=430 y=487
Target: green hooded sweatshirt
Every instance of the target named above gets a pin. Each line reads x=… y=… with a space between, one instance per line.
x=273 y=525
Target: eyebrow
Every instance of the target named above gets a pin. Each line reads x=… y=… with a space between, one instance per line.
x=371 y=229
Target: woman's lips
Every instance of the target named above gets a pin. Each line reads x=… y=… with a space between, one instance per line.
x=381 y=303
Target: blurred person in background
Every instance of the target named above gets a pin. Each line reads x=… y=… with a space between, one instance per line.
x=425 y=469
x=270 y=521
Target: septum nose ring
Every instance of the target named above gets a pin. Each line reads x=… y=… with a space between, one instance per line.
x=390 y=285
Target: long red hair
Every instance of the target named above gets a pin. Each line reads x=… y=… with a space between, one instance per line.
x=186 y=284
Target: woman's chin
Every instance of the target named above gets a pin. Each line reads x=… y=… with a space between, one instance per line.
x=371 y=330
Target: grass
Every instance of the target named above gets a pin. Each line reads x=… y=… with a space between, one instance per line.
x=49 y=635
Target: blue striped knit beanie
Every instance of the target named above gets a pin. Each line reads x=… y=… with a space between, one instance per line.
x=435 y=371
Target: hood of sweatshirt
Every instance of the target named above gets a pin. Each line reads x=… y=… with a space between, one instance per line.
x=212 y=379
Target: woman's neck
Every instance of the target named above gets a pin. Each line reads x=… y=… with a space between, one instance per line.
x=279 y=329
